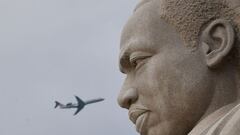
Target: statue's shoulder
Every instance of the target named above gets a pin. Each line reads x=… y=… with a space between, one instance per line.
x=228 y=124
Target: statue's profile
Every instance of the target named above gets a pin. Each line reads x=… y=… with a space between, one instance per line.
x=182 y=64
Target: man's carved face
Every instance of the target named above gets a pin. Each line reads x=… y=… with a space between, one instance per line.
x=168 y=87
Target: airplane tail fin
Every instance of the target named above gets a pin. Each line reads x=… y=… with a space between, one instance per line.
x=56 y=104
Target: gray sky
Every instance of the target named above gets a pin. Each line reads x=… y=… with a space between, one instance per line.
x=54 y=49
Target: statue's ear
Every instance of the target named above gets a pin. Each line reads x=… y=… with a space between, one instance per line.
x=217 y=40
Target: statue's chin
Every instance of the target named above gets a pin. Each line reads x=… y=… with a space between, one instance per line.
x=167 y=128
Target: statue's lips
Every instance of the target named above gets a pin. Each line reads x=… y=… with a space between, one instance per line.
x=138 y=114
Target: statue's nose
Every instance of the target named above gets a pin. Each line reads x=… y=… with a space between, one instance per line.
x=127 y=97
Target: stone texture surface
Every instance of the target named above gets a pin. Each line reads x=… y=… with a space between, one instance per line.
x=181 y=60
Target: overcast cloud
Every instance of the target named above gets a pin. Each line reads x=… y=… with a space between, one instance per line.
x=55 y=49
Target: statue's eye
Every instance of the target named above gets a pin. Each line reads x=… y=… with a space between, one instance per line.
x=138 y=59
x=138 y=62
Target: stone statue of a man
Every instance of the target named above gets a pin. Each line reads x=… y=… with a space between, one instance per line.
x=182 y=64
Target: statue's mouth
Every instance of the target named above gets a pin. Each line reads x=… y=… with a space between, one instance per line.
x=138 y=115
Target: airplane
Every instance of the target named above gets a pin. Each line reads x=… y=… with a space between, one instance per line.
x=80 y=104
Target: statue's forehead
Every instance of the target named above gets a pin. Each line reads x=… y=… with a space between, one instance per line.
x=140 y=3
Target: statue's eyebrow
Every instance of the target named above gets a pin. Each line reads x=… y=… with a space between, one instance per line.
x=140 y=4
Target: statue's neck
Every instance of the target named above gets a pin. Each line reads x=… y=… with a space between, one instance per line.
x=225 y=91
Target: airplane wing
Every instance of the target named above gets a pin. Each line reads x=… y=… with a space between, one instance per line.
x=80 y=105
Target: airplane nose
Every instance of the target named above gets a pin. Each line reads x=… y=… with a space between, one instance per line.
x=127 y=97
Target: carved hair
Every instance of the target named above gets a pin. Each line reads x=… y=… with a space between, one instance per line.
x=189 y=16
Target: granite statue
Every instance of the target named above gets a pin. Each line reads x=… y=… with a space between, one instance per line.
x=182 y=65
